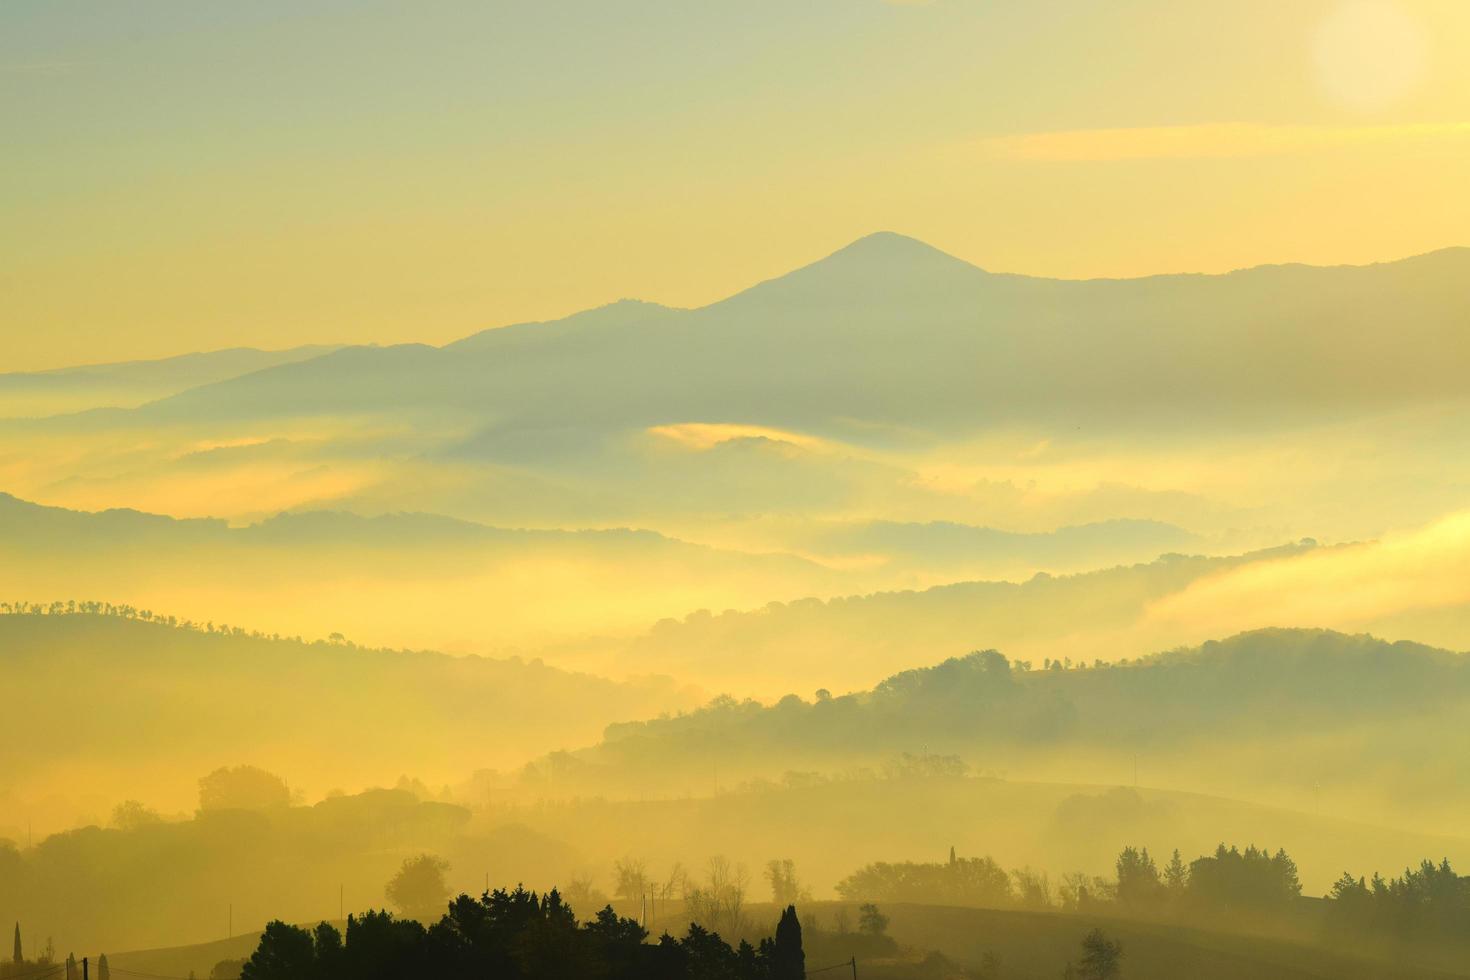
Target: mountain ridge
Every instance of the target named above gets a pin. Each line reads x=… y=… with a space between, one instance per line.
x=877 y=241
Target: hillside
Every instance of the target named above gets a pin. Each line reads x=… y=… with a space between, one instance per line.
x=396 y=579
x=161 y=883
x=1302 y=717
x=1038 y=945
x=141 y=710
x=903 y=811
x=855 y=641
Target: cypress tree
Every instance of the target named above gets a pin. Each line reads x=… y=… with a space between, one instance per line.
x=103 y=973
x=18 y=957
x=788 y=961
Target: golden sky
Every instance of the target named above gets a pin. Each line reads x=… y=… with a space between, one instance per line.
x=182 y=176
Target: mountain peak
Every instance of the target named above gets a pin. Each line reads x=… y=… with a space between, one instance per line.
x=883 y=261
x=889 y=243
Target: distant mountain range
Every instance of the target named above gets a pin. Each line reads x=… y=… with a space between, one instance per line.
x=889 y=334
x=132 y=383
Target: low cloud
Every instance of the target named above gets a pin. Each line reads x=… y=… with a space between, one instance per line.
x=1204 y=141
x=1349 y=588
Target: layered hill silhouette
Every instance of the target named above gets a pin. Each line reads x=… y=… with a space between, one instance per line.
x=398 y=579
x=853 y=641
x=411 y=579
x=142 y=709
x=132 y=383
x=891 y=332
x=1373 y=724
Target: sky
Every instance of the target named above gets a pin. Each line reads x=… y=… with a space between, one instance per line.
x=179 y=176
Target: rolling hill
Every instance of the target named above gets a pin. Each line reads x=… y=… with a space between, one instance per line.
x=135 y=709
x=1304 y=718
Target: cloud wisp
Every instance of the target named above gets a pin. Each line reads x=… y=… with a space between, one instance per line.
x=1204 y=141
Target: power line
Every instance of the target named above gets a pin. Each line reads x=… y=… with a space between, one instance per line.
x=44 y=971
x=149 y=976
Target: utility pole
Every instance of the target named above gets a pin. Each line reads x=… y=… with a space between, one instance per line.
x=342 y=901
x=84 y=968
x=854 y=968
x=231 y=929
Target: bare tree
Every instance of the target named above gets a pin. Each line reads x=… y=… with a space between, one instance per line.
x=1033 y=888
x=719 y=903
x=630 y=876
x=583 y=896
x=786 y=889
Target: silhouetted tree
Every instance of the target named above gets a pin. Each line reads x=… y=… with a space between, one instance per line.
x=1138 y=878
x=871 y=922
x=285 y=952
x=965 y=881
x=104 y=972
x=418 y=889
x=1176 y=876
x=784 y=956
x=19 y=957
x=326 y=944
x=1252 y=881
x=131 y=815
x=518 y=935
x=242 y=788
x=1102 y=958
x=1428 y=904
x=785 y=887
x=630 y=876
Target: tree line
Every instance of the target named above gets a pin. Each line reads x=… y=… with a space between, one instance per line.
x=1251 y=887
x=519 y=935
x=1428 y=904
x=88 y=607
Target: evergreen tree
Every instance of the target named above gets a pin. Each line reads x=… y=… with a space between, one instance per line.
x=1138 y=877
x=1101 y=957
x=103 y=973
x=18 y=957
x=1176 y=875
x=786 y=960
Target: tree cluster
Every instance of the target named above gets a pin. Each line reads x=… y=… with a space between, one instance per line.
x=1427 y=904
x=1252 y=882
x=518 y=935
x=959 y=881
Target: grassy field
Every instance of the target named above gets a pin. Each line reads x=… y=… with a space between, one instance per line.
x=181 y=961
x=1027 y=945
